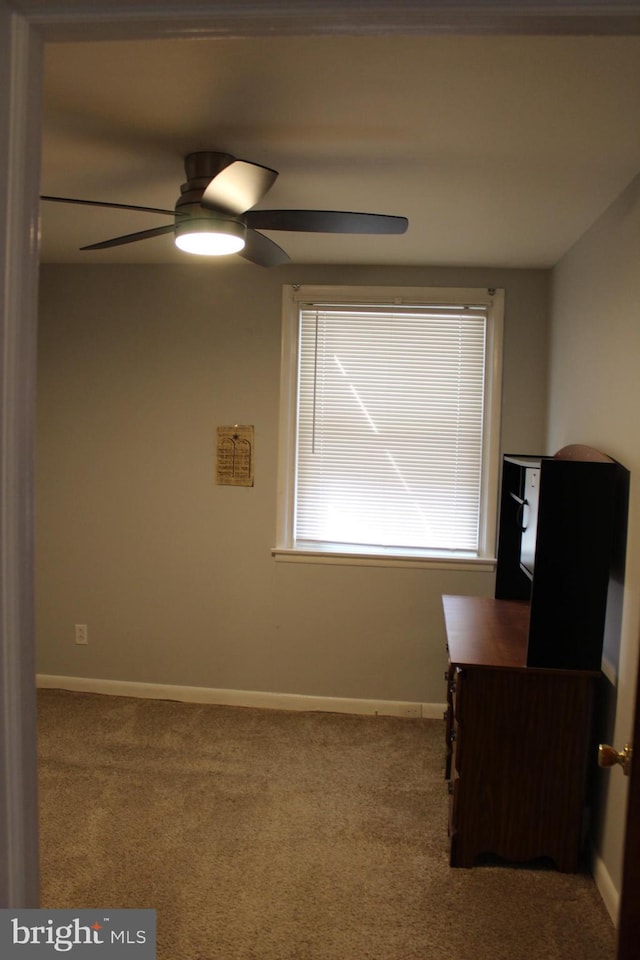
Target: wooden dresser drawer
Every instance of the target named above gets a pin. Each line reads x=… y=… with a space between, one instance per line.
x=518 y=747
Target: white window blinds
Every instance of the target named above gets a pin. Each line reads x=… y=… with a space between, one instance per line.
x=390 y=426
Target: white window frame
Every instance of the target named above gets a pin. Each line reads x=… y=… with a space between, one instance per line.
x=286 y=549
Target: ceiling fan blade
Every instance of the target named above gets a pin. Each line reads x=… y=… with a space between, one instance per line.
x=238 y=187
x=100 y=203
x=261 y=250
x=131 y=238
x=325 y=221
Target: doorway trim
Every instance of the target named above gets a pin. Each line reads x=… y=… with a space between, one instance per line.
x=24 y=26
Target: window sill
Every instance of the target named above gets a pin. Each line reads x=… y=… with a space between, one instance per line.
x=383 y=558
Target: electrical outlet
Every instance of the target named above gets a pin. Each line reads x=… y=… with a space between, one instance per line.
x=82 y=636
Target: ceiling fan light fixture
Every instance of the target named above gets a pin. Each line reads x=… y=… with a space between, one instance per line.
x=210 y=237
x=217 y=213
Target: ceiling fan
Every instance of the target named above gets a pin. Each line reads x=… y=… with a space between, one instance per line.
x=214 y=213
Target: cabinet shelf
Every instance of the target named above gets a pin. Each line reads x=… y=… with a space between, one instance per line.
x=567 y=542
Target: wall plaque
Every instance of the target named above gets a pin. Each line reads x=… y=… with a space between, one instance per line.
x=234 y=456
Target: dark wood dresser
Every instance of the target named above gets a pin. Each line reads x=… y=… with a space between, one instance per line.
x=519 y=740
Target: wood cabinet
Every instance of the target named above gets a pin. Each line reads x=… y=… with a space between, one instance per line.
x=518 y=740
x=524 y=665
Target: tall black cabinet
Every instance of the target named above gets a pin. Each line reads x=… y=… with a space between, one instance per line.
x=556 y=537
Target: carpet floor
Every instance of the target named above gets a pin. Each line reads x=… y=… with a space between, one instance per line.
x=268 y=835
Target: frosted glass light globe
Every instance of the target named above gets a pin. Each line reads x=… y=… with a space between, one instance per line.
x=209 y=237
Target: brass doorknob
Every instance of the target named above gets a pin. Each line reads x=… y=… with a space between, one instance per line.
x=609 y=757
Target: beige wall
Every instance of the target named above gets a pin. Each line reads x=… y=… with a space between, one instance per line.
x=595 y=399
x=173 y=574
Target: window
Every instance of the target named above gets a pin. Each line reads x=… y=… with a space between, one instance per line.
x=390 y=423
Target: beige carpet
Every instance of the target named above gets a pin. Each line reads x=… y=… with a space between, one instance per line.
x=264 y=835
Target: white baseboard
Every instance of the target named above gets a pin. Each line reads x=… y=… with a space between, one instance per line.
x=244 y=698
x=609 y=893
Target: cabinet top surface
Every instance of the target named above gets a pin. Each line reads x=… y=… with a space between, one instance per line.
x=482 y=631
x=487 y=632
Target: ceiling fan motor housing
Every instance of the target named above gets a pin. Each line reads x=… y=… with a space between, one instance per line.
x=201 y=168
x=194 y=217
x=206 y=164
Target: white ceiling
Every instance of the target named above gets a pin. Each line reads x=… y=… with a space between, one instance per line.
x=500 y=150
